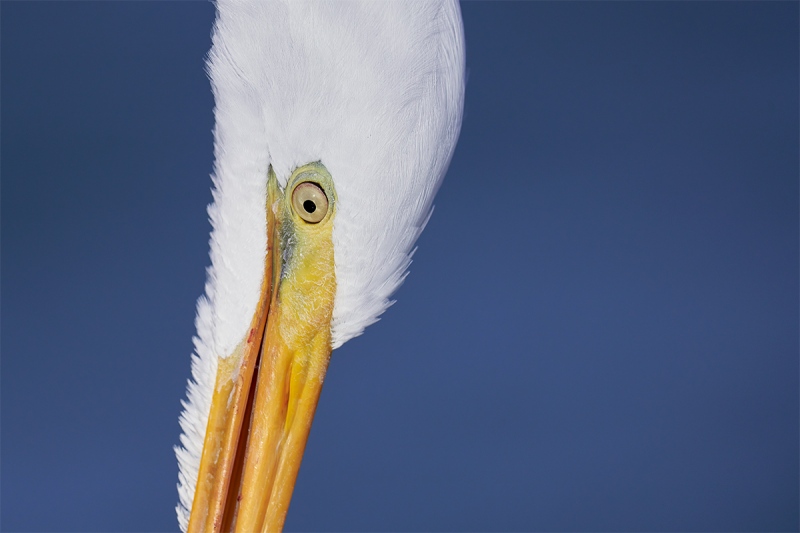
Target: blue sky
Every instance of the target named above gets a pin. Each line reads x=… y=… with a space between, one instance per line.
x=600 y=329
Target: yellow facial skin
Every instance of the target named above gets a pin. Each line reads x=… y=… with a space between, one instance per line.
x=256 y=435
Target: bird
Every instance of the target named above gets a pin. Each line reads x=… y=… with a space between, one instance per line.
x=335 y=123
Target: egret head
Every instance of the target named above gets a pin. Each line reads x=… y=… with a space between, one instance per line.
x=335 y=123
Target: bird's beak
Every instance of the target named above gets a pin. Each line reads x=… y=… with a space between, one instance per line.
x=266 y=392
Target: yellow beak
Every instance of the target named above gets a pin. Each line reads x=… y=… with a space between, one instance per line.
x=266 y=392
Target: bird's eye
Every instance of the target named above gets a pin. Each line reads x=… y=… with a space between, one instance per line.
x=310 y=202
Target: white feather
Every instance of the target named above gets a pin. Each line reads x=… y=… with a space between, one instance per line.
x=374 y=90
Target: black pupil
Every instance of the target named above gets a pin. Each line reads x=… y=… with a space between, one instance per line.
x=309 y=206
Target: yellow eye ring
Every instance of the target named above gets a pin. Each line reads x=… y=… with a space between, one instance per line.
x=310 y=202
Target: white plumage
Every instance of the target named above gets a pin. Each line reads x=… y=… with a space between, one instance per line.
x=372 y=89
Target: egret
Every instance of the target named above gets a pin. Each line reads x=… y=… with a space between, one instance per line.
x=335 y=123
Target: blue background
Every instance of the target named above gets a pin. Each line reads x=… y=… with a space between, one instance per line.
x=600 y=331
